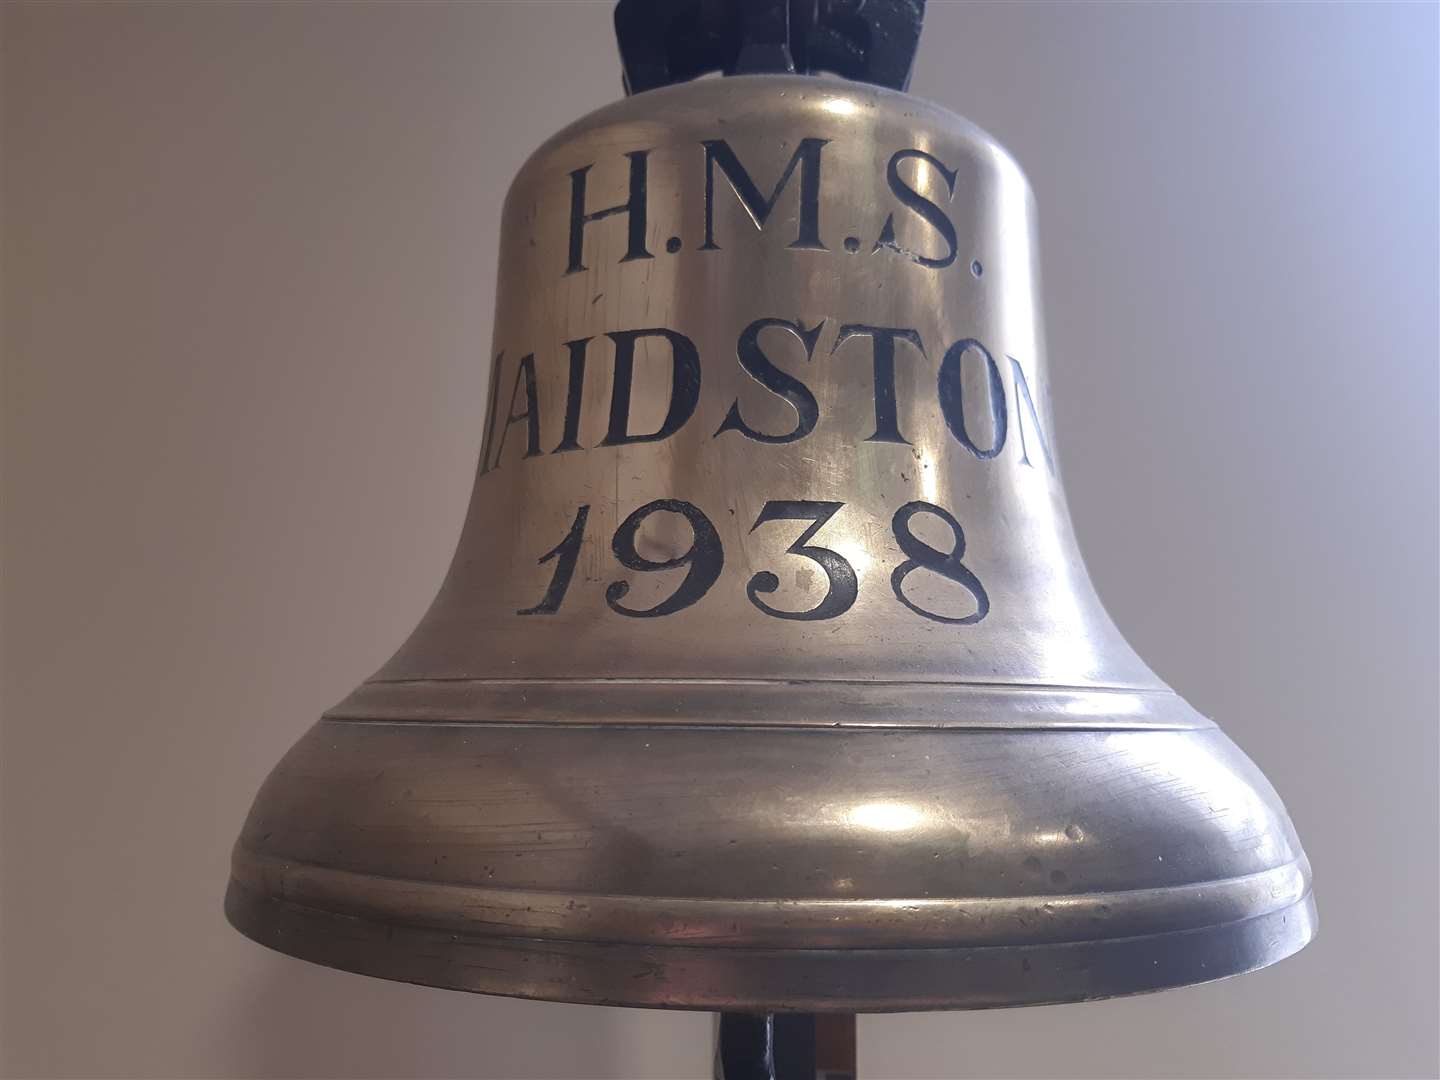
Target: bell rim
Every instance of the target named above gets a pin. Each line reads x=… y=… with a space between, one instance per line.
x=791 y=923
x=687 y=977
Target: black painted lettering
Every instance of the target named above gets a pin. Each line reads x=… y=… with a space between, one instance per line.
x=782 y=384
x=921 y=556
x=806 y=158
x=574 y=396
x=844 y=585
x=952 y=397
x=567 y=552
x=887 y=422
x=705 y=558
x=491 y=406
x=633 y=206
x=933 y=216
x=525 y=373
x=684 y=385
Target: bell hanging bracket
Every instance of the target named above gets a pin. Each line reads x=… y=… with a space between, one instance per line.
x=669 y=41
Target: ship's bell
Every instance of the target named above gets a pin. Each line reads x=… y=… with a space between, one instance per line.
x=767 y=675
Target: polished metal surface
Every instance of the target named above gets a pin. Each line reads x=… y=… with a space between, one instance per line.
x=767 y=675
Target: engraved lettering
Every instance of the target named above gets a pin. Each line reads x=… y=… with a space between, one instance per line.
x=806 y=157
x=921 y=555
x=952 y=397
x=1022 y=390
x=634 y=206
x=782 y=384
x=705 y=557
x=887 y=423
x=567 y=551
x=492 y=404
x=927 y=210
x=574 y=396
x=525 y=372
x=684 y=385
x=844 y=585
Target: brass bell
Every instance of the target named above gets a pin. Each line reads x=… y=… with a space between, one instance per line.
x=767 y=675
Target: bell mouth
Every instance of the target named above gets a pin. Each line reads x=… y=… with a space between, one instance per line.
x=695 y=867
x=773 y=979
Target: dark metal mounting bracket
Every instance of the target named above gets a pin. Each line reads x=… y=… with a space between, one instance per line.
x=669 y=41
x=785 y=1046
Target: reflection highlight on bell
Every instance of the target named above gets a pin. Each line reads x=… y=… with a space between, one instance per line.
x=927 y=461
x=1106 y=705
x=885 y=816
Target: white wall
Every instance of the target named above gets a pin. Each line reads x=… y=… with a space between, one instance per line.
x=249 y=259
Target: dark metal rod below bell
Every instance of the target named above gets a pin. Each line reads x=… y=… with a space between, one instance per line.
x=785 y=1046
